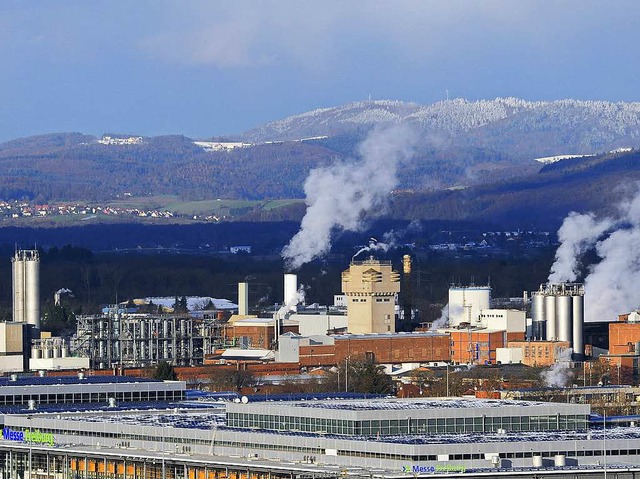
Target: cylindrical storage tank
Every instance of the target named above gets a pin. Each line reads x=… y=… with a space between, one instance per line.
x=466 y=303
x=578 y=326
x=17 y=266
x=56 y=351
x=537 y=306
x=539 y=330
x=550 y=316
x=559 y=460
x=36 y=353
x=290 y=289
x=47 y=352
x=64 y=351
x=537 y=461
x=564 y=327
x=32 y=290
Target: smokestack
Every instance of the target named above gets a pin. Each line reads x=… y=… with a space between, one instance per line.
x=290 y=290
x=243 y=299
x=407 y=293
x=406 y=264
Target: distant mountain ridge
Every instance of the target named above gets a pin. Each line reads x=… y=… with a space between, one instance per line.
x=501 y=124
x=475 y=146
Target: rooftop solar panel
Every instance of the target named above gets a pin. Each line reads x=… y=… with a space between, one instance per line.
x=51 y=380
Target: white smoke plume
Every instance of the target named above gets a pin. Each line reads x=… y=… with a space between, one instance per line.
x=339 y=195
x=442 y=321
x=297 y=299
x=559 y=374
x=611 y=284
x=390 y=239
x=374 y=245
x=578 y=233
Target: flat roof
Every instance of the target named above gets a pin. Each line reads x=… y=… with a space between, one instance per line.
x=51 y=380
x=414 y=404
x=215 y=419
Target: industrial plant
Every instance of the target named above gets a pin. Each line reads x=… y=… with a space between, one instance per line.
x=79 y=423
x=474 y=329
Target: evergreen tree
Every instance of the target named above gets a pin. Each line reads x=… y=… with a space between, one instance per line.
x=165 y=372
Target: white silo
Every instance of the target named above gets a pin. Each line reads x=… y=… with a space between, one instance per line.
x=565 y=302
x=538 y=319
x=578 y=324
x=290 y=290
x=564 y=322
x=26 y=287
x=466 y=303
x=550 y=316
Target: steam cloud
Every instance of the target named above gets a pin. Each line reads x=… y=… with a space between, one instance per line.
x=611 y=284
x=442 y=321
x=390 y=239
x=297 y=299
x=374 y=245
x=559 y=373
x=339 y=195
x=577 y=234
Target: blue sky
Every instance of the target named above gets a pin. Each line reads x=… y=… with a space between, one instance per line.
x=205 y=68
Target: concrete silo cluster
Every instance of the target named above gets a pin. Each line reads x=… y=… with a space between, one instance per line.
x=26 y=287
x=557 y=313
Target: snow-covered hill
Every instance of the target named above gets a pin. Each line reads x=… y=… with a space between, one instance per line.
x=508 y=125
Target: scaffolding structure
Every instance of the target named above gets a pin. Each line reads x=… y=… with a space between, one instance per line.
x=139 y=340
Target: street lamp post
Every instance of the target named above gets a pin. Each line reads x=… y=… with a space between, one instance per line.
x=30 y=447
x=447 y=379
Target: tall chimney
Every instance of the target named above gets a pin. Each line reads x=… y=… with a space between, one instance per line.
x=243 y=299
x=290 y=289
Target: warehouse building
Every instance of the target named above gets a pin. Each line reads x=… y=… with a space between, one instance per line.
x=315 y=439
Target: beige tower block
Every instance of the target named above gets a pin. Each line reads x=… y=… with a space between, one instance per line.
x=371 y=287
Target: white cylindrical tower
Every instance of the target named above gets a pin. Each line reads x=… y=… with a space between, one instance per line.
x=551 y=317
x=17 y=265
x=563 y=313
x=538 y=320
x=32 y=282
x=466 y=303
x=243 y=298
x=290 y=289
x=578 y=326
x=26 y=287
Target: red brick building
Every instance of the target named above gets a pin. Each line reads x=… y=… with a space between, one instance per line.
x=382 y=348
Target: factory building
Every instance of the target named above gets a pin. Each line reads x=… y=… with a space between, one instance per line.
x=371 y=287
x=385 y=438
x=23 y=346
x=13 y=341
x=538 y=353
x=126 y=339
x=389 y=349
x=471 y=346
x=557 y=313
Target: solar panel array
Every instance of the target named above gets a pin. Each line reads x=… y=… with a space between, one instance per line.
x=182 y=420
x=52 y=380
x=388 y=404
x=100 y=407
